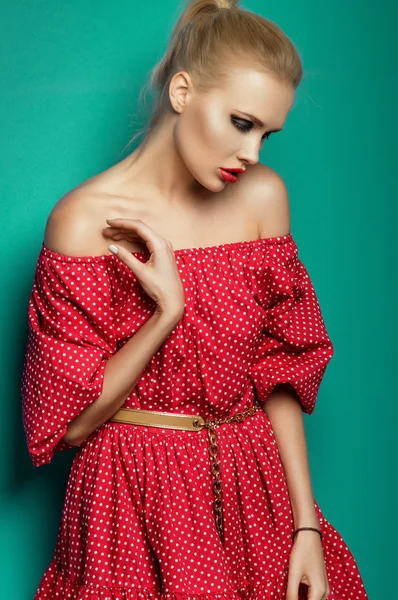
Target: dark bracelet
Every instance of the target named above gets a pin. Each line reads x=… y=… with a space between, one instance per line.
x=304 y=529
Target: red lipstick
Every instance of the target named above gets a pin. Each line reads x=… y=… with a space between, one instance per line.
x=230 y=175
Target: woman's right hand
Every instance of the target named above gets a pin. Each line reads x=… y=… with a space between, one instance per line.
x=159 y=275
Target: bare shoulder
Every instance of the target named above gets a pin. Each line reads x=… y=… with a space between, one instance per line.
x=266 y=196
x=69 y=228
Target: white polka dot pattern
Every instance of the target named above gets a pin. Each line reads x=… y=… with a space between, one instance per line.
x=295 y=348
x=137 y=521
x=70 y=337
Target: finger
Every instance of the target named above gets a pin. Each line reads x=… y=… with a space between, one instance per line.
x=316 y=591
x=120 y=233
x=122 y=222
x=292 y=586
x=112 y=230
x=128 y=259
x=149 y=235
x=123 y=235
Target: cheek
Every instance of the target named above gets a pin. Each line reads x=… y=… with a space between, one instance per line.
x=204 y=137
x=214 y=129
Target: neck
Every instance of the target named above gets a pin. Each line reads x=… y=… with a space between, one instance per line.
x=158 y=169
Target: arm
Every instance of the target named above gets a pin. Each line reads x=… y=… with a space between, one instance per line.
x=286 y=416
x=69 y=231
x=270 y=201
x=122 y=372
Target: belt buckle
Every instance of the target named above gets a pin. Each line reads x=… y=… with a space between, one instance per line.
x=198 y=422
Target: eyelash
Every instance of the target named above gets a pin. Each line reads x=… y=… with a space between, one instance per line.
x=246 y=129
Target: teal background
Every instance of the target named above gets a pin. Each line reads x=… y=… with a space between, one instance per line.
x=71 y=74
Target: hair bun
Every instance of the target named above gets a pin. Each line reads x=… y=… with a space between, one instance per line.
x=226 y=3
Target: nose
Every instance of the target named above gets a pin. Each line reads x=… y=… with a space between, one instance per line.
x=249 y=154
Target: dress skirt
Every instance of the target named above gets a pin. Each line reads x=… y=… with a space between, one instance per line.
x=137 y=521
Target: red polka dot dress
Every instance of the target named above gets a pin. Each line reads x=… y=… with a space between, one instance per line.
x=137 y=521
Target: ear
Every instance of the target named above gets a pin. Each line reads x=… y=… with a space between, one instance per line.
x=180 y=89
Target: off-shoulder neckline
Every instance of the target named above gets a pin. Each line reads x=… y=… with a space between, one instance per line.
x=228 y=246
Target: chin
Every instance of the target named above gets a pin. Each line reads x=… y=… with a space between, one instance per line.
x=219 y=186
x=216 y=187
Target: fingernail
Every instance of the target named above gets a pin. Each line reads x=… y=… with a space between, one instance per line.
x=113 y=249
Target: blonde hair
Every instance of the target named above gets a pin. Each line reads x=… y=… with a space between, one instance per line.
x=207 y=38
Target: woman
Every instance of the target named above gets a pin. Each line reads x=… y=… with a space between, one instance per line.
x=179 y=361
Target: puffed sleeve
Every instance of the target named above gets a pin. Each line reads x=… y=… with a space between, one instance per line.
x=295 y=347
x=70 y=338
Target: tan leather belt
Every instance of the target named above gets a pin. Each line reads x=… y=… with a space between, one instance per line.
x=166 y=420
x=155 y=418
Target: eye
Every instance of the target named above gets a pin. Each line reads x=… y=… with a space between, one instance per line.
x=246 y=126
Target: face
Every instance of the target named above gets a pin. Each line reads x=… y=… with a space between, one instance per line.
x=227 y=127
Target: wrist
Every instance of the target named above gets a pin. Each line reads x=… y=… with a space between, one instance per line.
x=307 y=530
x=305 y=518
x=169 y=318
x=306 y=522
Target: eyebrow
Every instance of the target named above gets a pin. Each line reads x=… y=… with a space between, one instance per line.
x=258 y=121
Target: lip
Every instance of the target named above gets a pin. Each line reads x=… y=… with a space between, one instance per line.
x=230 y=175
x=237 y=170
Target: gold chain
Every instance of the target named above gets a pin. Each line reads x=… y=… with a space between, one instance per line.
x=214 y=452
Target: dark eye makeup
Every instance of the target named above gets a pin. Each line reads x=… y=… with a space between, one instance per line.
x=245 y=126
